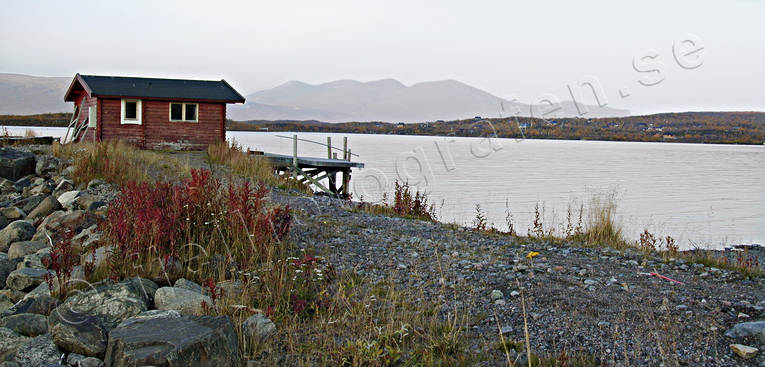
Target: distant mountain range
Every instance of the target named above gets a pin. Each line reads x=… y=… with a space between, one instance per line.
x=27 y=95
x=338 y=101
x=388 y=100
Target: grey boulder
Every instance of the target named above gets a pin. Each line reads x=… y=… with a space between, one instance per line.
x=13 y=213
x=28 y=204
x=112 y=302
x=68 y=198
x=24 y=248
x=41 y=305
x=15 y=164
x=77 y=332
x=174 y=341
x=185 y=301
x=46 y=165
x=79 y=360
x=10 y=341
x=16 y=231
x=6 y=267
x=45 y=208
x=258 y=327
x=25 y=278
x=27 y=324
x=187 y=284
x=37 y=351
x=746 y=330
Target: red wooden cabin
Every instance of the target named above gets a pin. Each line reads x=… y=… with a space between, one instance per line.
x=150 y=113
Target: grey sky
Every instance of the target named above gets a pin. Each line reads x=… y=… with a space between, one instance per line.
x=511 y=49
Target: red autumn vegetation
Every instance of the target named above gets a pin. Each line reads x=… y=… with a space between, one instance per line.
x=152 y=226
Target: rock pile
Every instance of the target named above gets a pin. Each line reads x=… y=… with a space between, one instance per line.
x=129 y=323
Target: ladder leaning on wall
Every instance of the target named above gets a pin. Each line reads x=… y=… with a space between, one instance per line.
x=76 y=127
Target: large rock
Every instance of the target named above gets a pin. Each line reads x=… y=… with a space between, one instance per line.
x=43 y=188
x=57 y=222
x=744 y=351
x=10 y=342
x=87 y=238
x=28 y=204
x=33 y=260
x=7 y=186
x=6 y=267
x=185 y=301
x=27 y=324
x=258 y=327
x=46 y=165
x=11 y=294
x=15 y=164
x=187 y=284
x=23 y=182
x=89 y=202
x=62 y=187
x=173 y=341
x=13 y=213
x=43 y=289
x=78 y=333
x=24 y=248
x=747 y=329
x=79 y=360
x=45 y=208
x=68 y=198
x=25 y=278
x=38 y=351
x=111 y=302
x=5 y=303
x=41 y=305
x=16 y=231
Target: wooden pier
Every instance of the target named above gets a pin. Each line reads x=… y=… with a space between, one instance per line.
x=312 y=170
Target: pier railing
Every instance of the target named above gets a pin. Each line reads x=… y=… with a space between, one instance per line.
x=312 y=170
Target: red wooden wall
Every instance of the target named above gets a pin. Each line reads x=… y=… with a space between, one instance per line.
x=161 y=133
x=156 y=130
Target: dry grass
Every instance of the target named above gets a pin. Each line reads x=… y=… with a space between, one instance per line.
x=362 y=324
x=595 y=224
x=243 y=164
x=119 y=163
x=602 y=228
x=29 y=133
x=746 y=265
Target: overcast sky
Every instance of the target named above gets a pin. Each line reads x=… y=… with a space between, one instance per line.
x=511 y=49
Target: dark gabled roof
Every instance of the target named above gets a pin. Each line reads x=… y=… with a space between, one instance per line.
x=172 y=89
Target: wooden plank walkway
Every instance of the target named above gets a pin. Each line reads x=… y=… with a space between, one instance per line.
x=312 y=170
x=282 y=160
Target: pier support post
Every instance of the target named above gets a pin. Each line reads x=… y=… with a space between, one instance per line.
x=345 y=148
x=346 y=181
x=294 y=151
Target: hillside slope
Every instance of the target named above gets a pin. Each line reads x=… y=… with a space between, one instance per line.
x=26 y=94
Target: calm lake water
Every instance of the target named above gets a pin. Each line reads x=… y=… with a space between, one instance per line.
x=703 y=195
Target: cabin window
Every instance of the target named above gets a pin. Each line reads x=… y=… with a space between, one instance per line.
x=184 y=112
x=131 y=111
x=176 y=111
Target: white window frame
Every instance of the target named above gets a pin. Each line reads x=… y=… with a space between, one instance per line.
x=92 y=117
x=137 y=120
x=183 y=112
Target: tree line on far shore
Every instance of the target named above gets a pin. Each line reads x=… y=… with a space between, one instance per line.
x=685 y=127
